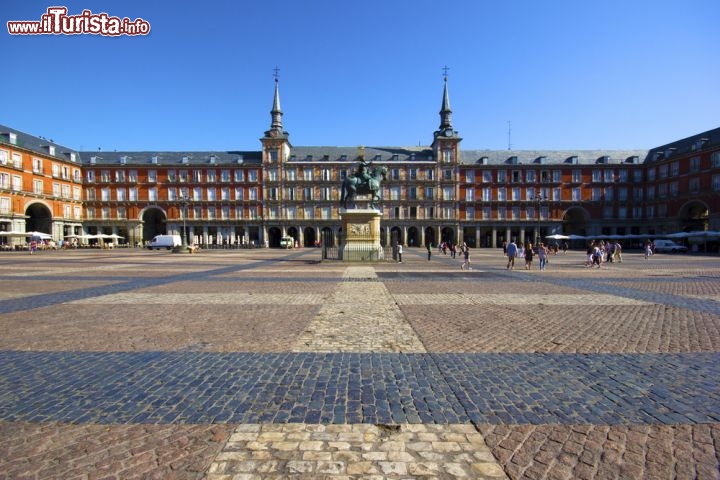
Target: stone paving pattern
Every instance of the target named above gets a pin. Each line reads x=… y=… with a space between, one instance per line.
x=268 y=364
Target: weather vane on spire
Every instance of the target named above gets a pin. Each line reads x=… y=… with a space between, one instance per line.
x=445 y=72
x=276 y=73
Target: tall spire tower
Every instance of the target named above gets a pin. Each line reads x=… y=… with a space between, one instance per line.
x=445 y=131
x=445 y=112
x=276 y=146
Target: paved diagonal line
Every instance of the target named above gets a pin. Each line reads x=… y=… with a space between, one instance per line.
x=194 y=387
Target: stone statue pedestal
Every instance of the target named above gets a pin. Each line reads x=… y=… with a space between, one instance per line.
x=360 y=235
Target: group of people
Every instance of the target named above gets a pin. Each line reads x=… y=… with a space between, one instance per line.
x=527 y=252
x=599 y=252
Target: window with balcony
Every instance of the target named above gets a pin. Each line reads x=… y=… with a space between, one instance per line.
x=609 y=176
x=448 y=193
x=486 y=194
x=119 y=176
x=37 y=165
x=429 y=174
x=253 y=194
x=104 y=174
x=486 y=176
x=596 y=194
x=211 y=194
x=120 y=194
x=153 y=194
x=694 y=185
x=501 y=176
x=183 y=176
x=470 y=195
x=121 y=213
x=597 y=176
x=447 y=174
x=152 y=176
x=239 y=175
x=225 y=193
x=516 y=176
x=530 y=176
x=429 y=193
x=133 y=194
x=4 y=155
x=576 y=176
x=77 y=195
x=105 y=194
x=501 y=194
x=17 y=160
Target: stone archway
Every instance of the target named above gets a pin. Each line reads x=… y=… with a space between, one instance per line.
x=413 y=237
x=309 y=237
x=39 y=218
x=575 y=221
x=154 y=223
x=274 y=236
x=447 y=234
x=396 y=235
x=430 y=236
x=693 y=216
x=293 y=232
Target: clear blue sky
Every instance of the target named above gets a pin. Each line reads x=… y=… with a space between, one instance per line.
x=568 y=74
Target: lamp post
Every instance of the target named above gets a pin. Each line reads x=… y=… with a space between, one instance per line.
x=538 y=200
x=184 y=205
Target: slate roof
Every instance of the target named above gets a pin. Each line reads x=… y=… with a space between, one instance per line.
x=37 y=144
x=352 y=154
x=168 y=159
x=711 y=138
x=551 y=157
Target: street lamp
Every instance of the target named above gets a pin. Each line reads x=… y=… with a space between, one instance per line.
x=184 y=205
x=538 y=200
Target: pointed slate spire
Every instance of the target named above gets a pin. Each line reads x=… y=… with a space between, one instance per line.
x=276 y=112
x=445 y=112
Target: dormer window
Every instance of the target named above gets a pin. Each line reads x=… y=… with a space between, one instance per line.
x=154 y=159
x=11 y=137
x=123 y=160
x=343 y=158
x=212 y=158
x=185 y=160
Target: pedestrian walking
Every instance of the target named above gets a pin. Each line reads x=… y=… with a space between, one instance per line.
x=542 y=253
x=429 y=249
x=618 y=252
x=399 y=250
x=512 y=251
x=466 y=257
x=528 y=256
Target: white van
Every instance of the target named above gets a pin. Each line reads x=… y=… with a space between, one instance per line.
x=664 y=246
x=165 y=241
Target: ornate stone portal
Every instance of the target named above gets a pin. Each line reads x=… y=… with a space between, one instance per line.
x=360 y=235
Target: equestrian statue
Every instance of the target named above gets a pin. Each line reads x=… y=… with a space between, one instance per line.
x=364 y=181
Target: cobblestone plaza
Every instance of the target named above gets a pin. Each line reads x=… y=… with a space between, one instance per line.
x=250 y=364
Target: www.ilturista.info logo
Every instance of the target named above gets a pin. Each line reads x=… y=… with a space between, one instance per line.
x=57 y=22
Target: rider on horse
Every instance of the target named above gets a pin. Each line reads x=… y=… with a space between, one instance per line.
x=362 y=171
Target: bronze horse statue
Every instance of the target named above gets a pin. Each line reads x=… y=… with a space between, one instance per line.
x=356 y=185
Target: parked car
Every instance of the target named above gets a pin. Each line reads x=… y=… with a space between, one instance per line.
x=665 y=246
x=165 y=241
x=287 y=242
